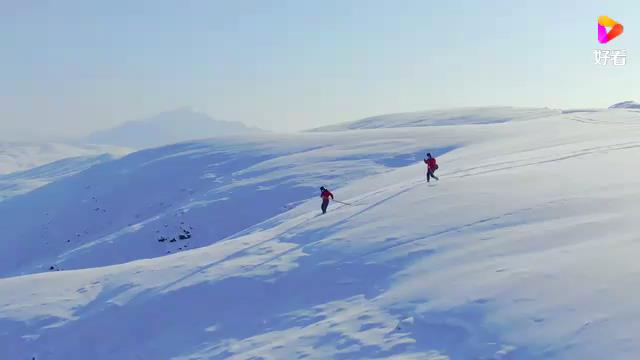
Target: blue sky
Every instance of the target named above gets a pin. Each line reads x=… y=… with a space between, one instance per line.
x=71 y=67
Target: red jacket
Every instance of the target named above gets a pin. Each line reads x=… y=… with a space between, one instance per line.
x=326 y=194
x=431 y=163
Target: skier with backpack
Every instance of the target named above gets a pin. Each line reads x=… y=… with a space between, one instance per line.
x=432 y=166
x=325 y=195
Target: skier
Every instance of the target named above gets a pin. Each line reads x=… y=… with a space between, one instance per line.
x=325 y=195
x=432 y=166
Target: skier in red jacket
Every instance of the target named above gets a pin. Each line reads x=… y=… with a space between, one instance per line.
x=432 y=166
x=325 y=195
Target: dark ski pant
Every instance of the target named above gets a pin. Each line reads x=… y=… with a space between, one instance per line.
x=325 y=204
x=431 y=175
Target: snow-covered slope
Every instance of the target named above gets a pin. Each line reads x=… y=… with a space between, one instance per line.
x=626 y=105
x=523 y=250
x=167 y=128
x=23 y=156
x=22 y=182
x=462 y=116
x=134 y=207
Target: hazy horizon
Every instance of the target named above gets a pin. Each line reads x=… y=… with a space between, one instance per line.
x=80 y=137
x=73 y=68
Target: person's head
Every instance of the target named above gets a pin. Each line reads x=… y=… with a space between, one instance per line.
x=322 y=188
x=429 y=155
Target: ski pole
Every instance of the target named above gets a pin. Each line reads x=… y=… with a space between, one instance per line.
x=340 y=202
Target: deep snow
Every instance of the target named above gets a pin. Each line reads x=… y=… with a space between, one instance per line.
x=524 y=250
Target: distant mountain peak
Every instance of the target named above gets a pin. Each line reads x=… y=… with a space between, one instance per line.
x=626 y=105
x=168 y=127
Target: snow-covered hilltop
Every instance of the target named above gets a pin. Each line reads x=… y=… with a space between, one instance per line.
x=462 y=116
x=167 y=128
x=523 y=250
x=626 y=105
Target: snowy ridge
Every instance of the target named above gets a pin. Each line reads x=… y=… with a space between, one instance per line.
x=626 y=105
x=23 y=156
x=520 y=252
x=462 y=116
